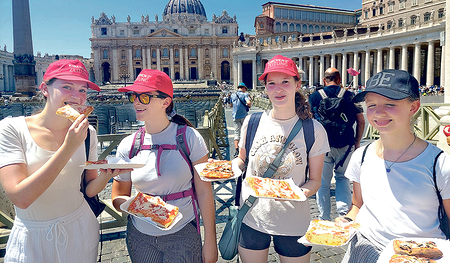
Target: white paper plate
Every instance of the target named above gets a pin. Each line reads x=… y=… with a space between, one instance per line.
x=113 y=166
x=237 y=172
x=442 y=244
x=294 y=187
x=124 y=207
x=305 y=241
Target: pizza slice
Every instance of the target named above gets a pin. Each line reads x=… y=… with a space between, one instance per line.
x=217 y=170
x=155 y=208
x=409 y=259
x=427 y=249
x=330 y=233
x=73 y=111
x=96 y=162
x=267 y=187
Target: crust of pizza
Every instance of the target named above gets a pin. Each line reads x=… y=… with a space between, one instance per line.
x=96 y=162
x=330 y=233
x=427 y=249
x=154 y=207
x=73 y=111
x=217 y=170
x=409 y=259
x=267 y=187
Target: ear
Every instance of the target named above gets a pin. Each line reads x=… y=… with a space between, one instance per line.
x=167 y=101
x=298 y=85
x=44 y=89
x=415 y=105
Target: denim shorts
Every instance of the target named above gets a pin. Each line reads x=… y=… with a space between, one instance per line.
x=286 y=246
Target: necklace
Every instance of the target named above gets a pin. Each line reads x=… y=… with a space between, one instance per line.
x=388 y=167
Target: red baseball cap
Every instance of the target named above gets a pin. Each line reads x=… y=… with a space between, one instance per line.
x=151 y=80
x=280 y=64
x=67 y=69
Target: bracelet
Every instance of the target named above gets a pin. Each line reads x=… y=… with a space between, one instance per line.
x=348 y=218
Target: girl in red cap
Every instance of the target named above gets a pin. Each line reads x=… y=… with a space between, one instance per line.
x=284 y=222
x=40 y=158
x=167 y=174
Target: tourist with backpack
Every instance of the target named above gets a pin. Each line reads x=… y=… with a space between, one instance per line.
x=170 y=147
x=284 y=222
x=401 y=183
x=332 y=106
x=241 y=105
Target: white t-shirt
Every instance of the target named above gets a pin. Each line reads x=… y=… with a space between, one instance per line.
x=268 y=215
x=63 y=196
x=403 y=202
x=175 y=173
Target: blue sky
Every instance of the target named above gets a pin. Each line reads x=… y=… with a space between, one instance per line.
x=63 y=27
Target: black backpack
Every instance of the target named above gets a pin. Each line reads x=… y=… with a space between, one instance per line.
x=337 y=115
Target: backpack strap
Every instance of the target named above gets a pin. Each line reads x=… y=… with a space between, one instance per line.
x=443 y=219
x=308 y=133
x=364 y=152
x=322 y=94
x=87 y=144
x=341 y=93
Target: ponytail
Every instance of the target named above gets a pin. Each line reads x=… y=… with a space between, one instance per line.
x=177 y=118
x=302 y=107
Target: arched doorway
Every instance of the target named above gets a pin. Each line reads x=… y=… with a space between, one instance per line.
x=225 y=70
x=106 y=68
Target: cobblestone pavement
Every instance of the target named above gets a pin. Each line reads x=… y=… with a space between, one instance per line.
x=113 y=247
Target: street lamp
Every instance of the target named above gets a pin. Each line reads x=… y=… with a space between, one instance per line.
x=124 y=76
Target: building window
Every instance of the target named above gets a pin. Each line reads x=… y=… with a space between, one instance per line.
x=426 y=17
x=191 y=31
x=104 y=31
x=225 y=52
x=153 y=54
x=175 y=30
x=177 y=53
x=165 y=52
x=138 y=53
x=400 y=22
x=381 y=10
x=391 y=7
x=389 y=24
x=224 y=30
x=152 y=30
x=193 y=53
x=413 y=2
x=105 y=54
x=366 y=14
x=374 y=12
x=207 y=32
x=122 y=32
x=441 y=13
x=207 y=53
x=136 y=31
x=123 y=54
x=413 y=20
x=401 y=4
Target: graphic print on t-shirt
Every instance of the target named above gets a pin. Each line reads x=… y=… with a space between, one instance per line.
x=265 y=150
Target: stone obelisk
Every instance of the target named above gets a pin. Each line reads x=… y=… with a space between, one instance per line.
x=24 y=63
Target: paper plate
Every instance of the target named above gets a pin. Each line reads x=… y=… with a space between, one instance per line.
x=114 y=163
x=237 y=172
x=442 y=244
x=124 y=207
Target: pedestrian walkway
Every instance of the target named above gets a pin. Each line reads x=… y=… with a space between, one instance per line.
x=113 y=246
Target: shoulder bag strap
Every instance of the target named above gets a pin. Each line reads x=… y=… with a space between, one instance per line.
x=308 y=133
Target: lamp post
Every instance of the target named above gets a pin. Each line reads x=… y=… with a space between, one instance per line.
x=124 y=76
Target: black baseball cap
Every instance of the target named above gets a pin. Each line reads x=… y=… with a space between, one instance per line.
x=393 y=84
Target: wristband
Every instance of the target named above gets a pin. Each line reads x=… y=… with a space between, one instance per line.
x=348 y=218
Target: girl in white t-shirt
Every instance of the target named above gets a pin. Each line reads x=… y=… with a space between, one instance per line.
x=284 y=222
x=393 y=189
x=166 y=173
x=40 y=158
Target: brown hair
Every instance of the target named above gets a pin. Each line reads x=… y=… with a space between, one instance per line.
x=177 y=118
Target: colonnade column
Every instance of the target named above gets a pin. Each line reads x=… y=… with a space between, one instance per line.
x=321 y=69
x=311 y=71
x=130 y=63
x=392 y=58
x=180 y=52
x=186 y=64
x=144 y=57
x=158 y=58
x=115 y=67
x=200 y=60
x=367 y=67
x=430 y=64
x=379 y=60
x=356 y=67
x=442 y=65
x=239 y=73
x=404 y=58
x=254 y=80
x=344 y=69
x=214 y=62
x=416 y=65
x=149 y=58
x=332 y=61
x=172 y=68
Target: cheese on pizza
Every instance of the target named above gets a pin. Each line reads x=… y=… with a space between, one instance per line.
x=217 y=170
x=96 y=162
x=330 y=233
x=409 y=259
x=155 y=208
x=73 y=111
x=427 y=249
x=266 y=187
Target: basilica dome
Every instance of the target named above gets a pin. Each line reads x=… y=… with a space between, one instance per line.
x=183 y=7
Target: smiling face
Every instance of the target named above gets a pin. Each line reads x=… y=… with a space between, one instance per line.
x=61 y=92
x=390 y=116
x=281 y=89
x=156 y=106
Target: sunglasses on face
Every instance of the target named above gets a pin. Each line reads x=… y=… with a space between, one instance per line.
x=143 y=97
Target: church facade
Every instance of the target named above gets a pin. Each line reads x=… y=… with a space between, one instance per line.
x=183 y=44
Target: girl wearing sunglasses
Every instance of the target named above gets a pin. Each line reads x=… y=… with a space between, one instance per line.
x=151 y=95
